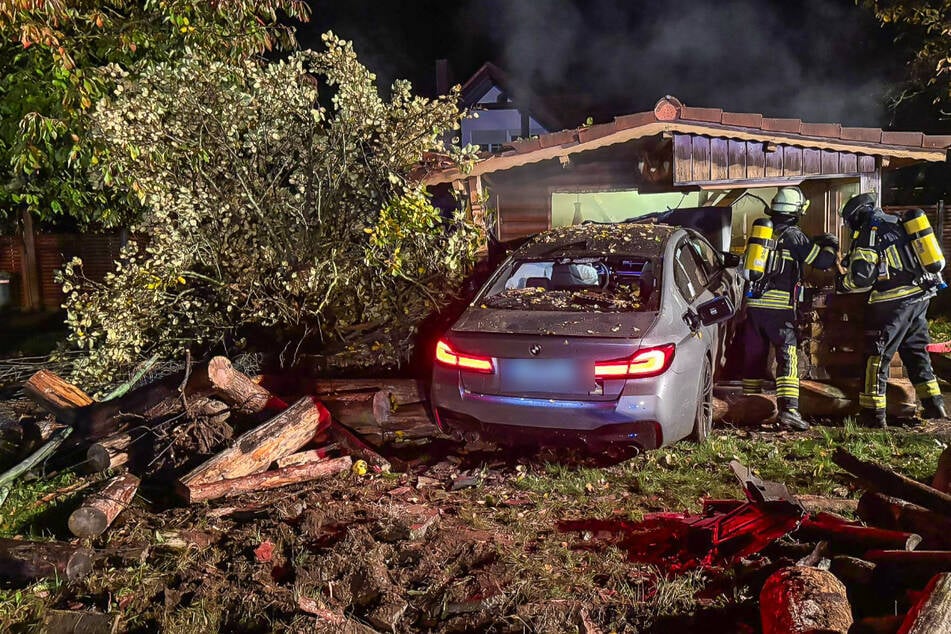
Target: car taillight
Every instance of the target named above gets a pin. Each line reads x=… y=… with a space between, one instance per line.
x=645 y=363
x=445 y=355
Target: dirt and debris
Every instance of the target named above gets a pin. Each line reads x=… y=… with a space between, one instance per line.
x=453 y=536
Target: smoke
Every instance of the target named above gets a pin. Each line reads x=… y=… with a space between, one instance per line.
x=814 y=60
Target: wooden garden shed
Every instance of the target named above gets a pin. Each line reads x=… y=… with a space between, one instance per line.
x=674 y=156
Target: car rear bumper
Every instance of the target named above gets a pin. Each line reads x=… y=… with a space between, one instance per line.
x=632 y=419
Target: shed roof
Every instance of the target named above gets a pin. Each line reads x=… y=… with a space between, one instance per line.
x=670 y=115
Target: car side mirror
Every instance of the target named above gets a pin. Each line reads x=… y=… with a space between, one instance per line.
x=730 y=260
x=716 y=310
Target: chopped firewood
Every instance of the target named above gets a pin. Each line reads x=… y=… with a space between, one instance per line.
x=113 y=451
x=932 y=612
x=25 y=561
x=852 y=570
x=265 y=481
x=237 y=389
x=359 y=449
x=720 y=409
x=55 y=395
x=303 y=457
x=185 y=540
x=822 y=399
x=402 y=391
x=156 y=400
x=80 y=622
x=846 y=537
x=750 y=409
x=889 y=512
x=364 y=412
x=98 y=511
x=36 y=433
x=909 y=568
x=257 y=449
x=942 y=476
x=894 y=484
x=800 y=600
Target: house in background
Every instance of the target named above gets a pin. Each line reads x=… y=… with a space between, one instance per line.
x=505 y=111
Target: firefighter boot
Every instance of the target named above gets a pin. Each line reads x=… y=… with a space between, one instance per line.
x=872 y=418
x=933 y=407
x=791 y=419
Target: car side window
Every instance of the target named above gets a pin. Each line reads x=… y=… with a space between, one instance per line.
x=689 y=275
x=708 y=256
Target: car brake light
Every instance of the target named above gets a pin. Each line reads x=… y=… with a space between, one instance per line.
x=445 y=355
x=645 y=363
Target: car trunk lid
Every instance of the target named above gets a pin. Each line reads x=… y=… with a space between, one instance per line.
x=549 y=358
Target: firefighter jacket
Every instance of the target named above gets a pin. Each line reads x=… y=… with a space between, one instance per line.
x=880 y=260
x=793 y=249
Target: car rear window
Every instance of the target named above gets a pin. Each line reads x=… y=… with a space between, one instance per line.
x=605 y=284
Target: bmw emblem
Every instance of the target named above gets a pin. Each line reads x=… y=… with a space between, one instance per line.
x=535 y=349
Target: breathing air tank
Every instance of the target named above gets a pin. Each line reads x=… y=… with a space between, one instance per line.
x=923 y=241
x=758 y=247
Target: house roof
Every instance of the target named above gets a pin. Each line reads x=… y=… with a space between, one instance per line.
x=490 y=75
x=670 y=115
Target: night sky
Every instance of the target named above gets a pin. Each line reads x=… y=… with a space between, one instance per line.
x=818 y=60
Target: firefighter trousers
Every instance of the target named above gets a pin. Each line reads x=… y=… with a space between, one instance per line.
x=774 y=327
x=894 y=327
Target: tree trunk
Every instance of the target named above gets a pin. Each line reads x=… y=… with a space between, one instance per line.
x=267 y=480
x=909 y=568
x=892 y=513
x=25 y=561
x=352 y=443
x=365 y=412
x=932 y=612
x=56 y=396
x=800 y=600
x=402 y=391
x=892 y=483
x=851 y=538
x=257 y=449
x=98 y=511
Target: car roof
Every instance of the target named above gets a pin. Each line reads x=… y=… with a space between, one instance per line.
x=632 y=238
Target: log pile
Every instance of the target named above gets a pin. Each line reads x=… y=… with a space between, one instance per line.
x=210 y=432
x=889 y=572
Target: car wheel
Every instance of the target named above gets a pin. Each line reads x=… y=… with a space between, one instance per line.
x=703 y=420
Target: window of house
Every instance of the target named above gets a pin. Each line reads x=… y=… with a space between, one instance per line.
x=571 y=208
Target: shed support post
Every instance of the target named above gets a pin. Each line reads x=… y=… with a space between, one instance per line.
x=30 y=269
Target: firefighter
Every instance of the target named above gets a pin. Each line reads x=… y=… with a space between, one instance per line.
x=771 y=301
x=882 y=259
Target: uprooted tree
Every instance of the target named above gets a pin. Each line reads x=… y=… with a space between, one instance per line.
x=277 y=197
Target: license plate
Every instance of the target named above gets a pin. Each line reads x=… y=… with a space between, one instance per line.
x=543 y=375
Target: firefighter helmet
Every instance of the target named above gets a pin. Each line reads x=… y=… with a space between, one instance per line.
x=857 y=210
x=789 y=201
